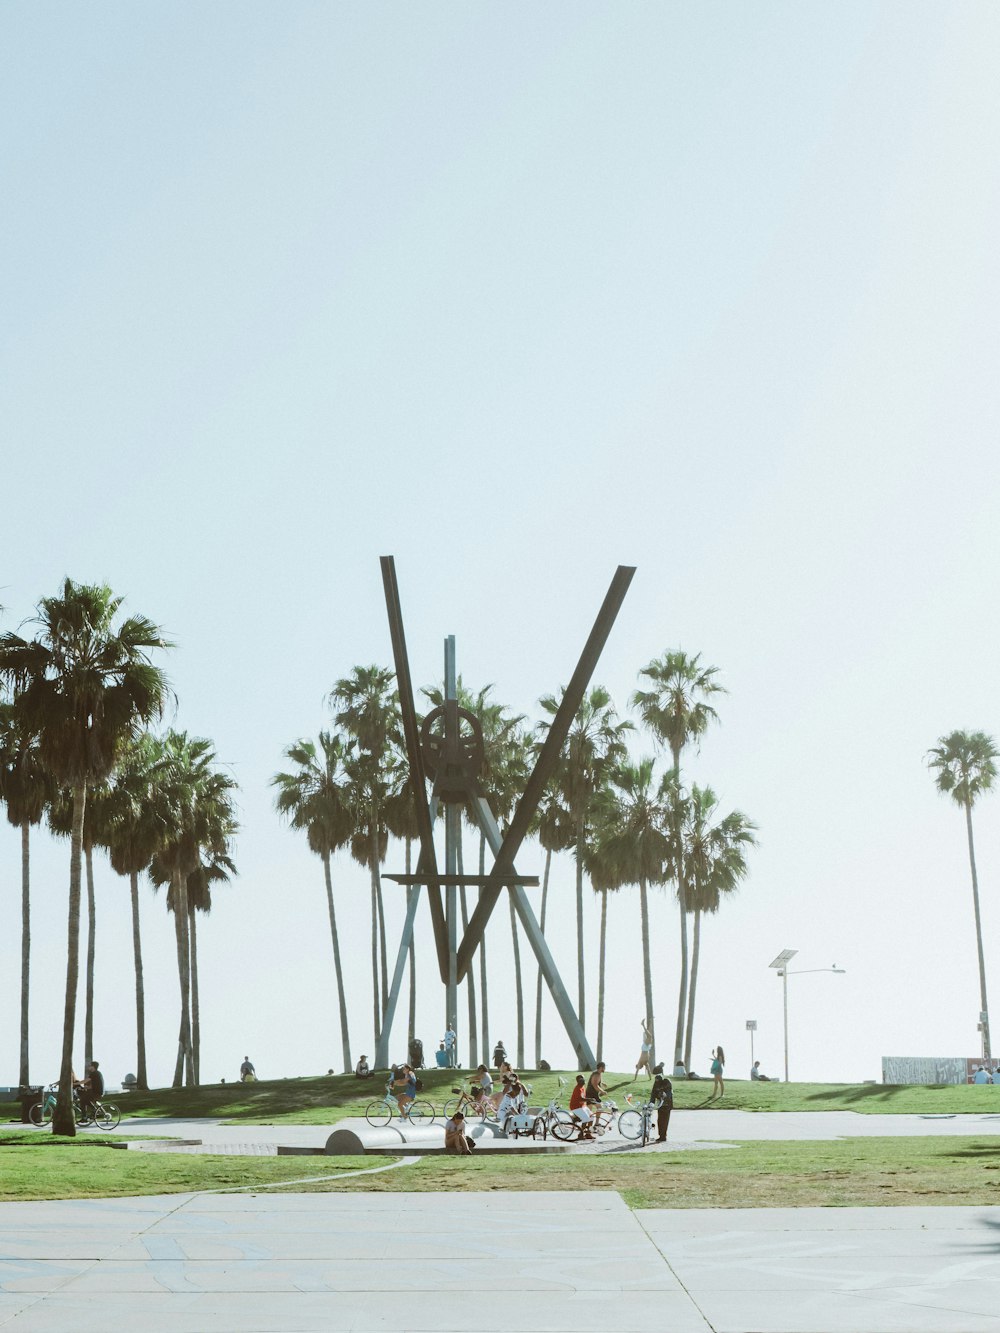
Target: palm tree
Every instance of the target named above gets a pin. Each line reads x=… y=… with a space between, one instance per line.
x=714 y=864
x=595 y=745
x=554 y=828
x=676 y=711
x=83 y=687
x=135 y=829
x=630 y=846
x=25 y=790
x=216 y=868
x=964 y=764
x=367 y=708
x=314 y=798
x=198 y=811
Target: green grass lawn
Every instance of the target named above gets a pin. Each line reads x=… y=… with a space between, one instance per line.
x=323 y=1100
x=94 y=1169
x=854 y=1173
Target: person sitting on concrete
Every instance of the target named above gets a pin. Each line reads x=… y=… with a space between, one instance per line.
x=756 y=1075
x=578 y=1108
x=455 y=1137
x=361 y=1069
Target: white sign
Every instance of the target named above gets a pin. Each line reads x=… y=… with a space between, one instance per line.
x=751 y=1025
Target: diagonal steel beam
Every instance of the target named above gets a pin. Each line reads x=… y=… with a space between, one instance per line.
x=427 y=863
x=545 y=765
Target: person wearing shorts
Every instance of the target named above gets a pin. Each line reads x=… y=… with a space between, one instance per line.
x=406 y=1089
x=578 y=1107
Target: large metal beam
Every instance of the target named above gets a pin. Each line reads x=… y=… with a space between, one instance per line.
x=564 y=1005
x=427 y=863
x=546 y=763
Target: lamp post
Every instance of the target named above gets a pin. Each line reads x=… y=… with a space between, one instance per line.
x=781 y=966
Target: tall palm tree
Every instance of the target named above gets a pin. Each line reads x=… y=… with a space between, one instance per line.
x=216 y=867
x=25 y=790
x=964 y=765
x=677 y=711
x=198 y=808
x=135 y=829
x=314 y=798
x=554 y=829
x=594 y=747
x=631 y=846
x=367 y=708
x=85 y=685
x=714 y=865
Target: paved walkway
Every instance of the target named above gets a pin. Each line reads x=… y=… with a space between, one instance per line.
x=292 y=1263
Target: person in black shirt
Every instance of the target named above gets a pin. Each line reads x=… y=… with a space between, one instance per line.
x=91 y=1089
x=663 y=1094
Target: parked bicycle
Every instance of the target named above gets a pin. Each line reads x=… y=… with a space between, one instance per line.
x=380 y=1113
x=636 y=1122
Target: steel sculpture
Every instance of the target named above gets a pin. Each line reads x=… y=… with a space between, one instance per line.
x=447 y=749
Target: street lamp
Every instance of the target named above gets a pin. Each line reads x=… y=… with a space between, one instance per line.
x=781 y=965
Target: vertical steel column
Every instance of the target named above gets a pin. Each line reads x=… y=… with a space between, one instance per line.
x=382 y=1050
x=452 y=833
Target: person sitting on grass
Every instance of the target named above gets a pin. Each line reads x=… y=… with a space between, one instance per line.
x=578 y=1108
x=756 y=1075
x=361 y=1069
x=455 y=1137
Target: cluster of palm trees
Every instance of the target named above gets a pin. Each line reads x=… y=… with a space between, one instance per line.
x=964 y=764
x=77 y=702
x=627 y=822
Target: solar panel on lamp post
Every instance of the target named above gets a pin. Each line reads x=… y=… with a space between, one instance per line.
x=781 y=966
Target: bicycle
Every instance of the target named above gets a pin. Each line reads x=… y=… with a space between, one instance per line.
x=41 y=1112
x=599 y=1123
x=637 y=1121
x=379 y=1113
x=481 y=1109
x=553 y=1115
x=105 y=1115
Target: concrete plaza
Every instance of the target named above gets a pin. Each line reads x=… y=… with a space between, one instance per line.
x=282 y=1262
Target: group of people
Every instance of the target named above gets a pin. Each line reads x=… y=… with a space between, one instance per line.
x=509 y=1099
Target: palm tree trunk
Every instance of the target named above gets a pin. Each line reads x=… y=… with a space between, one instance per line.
x=693 y=986
x=141 y=1077
x=581 y=1005
x=682 y=902
x=518 y=988
x=25 y=945
x=375 y=986
x=987 y=1053
x=484 y=1008
x=411 y=1026
x=600 y=975
x=384 y=985
x=341 y=997
x=470 y=976
x=88 y=1024
x=184 y=1070
x=63 y=1121
x=538 y=986
x=647 y=972
x=195 y=1007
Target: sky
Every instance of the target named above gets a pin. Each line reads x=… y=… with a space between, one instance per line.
x=517 y=293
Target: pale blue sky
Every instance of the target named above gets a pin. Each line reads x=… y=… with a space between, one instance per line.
x=712 y=290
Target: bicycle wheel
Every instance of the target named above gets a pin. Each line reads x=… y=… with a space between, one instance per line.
x=378 y=1114
x=38 y=1115
x=630 y=1124
x=450 y=1107
x=510 y=1127
x=564 y=1130
x=421 y=1113
x=540 y=1128
x=559 y=1117
x=107 y=1116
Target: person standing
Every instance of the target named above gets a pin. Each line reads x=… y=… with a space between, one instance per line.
x=718 y=1069
x=647 y=1046
x=247 y=1072
x=451 y=1046
x=662 y=1094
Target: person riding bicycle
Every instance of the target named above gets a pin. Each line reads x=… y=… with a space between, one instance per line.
x=91 y=1090
x=404 y=1089
x=596 y=1090
x=578 y=1107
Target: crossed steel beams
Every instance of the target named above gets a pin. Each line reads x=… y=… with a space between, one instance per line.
x=452 y=966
